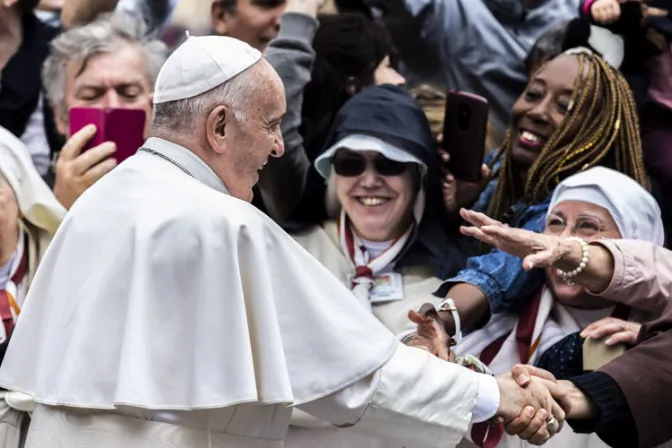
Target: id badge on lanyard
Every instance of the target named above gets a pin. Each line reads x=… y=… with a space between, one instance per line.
x=387 y=288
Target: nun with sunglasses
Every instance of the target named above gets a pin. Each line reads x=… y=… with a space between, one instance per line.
x=388 y=239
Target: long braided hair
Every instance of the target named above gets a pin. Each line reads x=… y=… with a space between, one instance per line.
x=607 y=135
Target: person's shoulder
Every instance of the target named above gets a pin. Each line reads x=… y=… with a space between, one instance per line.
x=140 y=197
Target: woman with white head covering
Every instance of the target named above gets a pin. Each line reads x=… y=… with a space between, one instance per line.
x=29 y=217
x=381 y=168
x=599 y=203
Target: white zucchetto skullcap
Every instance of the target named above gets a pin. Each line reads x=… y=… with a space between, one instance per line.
x=200 y=64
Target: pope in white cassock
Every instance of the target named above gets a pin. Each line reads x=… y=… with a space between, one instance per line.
x=169 y=312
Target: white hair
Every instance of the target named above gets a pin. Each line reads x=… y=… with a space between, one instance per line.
x=235 y=93
x=106 y=34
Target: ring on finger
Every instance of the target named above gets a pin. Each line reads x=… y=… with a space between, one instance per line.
x=552 y=425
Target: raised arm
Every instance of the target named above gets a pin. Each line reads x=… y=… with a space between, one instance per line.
x=291 y=54
x=635 y=273
x=76 y=12
x=156 y=13
x=490 y=284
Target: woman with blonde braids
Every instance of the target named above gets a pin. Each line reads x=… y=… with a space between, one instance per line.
x=577 y=112
x=598 y=127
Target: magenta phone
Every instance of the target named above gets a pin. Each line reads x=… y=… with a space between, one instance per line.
x=124 y=127
x=465 y=131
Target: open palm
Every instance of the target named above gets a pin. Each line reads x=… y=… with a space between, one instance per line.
x=536 y=250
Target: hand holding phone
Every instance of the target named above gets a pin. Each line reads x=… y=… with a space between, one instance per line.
x=458 y=194
x=465 y=129
x=461 y=150
x=77 y=170
x=124 y=127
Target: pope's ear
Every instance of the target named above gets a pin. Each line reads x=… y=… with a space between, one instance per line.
x=216 y=128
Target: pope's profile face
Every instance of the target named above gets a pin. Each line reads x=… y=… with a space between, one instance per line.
x=255 y=136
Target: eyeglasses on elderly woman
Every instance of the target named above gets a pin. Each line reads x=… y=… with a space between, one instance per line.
x=583 y=226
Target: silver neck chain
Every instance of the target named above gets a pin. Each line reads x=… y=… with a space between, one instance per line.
x=165 y=157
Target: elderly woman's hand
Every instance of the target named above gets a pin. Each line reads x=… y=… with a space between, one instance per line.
x=618 y=331
x=536 y=250
x=574 y=403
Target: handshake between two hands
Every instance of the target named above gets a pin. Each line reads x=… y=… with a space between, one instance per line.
x=533 y=405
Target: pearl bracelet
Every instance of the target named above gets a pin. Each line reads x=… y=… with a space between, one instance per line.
x=567 y=276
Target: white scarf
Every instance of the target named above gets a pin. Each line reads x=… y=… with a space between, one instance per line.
x=365 y=268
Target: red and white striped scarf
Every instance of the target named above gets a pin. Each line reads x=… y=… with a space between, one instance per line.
x=365 y=269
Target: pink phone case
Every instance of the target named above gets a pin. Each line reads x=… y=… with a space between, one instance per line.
x=124 y=127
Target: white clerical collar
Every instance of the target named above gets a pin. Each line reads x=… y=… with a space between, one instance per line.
x=194 y=164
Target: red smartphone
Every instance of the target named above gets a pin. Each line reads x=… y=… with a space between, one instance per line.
x=465 y=129
x=124 y=127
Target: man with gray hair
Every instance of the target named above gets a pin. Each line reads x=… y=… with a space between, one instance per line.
x=108 y=63
x=169 y=312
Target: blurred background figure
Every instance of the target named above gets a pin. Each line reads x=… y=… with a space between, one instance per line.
x=24 y=45
x=256 y=22
x=49 y=11
x=474 y=45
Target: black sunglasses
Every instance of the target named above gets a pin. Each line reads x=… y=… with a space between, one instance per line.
x=351 y=164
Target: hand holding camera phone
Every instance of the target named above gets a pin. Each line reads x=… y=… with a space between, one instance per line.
x=123 y=127
x=99 y=139
x=463 y=148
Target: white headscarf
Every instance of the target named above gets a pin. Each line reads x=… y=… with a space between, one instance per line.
x=37 y=203
x=634 y=210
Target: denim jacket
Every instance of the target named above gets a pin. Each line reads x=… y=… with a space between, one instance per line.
x=499 y=275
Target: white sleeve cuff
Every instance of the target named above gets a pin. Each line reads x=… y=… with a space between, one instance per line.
x=487 y=400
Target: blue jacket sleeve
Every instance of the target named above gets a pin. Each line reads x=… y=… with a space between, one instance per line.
x=500 y=276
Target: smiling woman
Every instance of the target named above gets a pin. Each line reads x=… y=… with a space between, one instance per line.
x=577 y=112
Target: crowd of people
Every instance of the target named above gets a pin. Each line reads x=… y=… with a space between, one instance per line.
x=288 y=261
